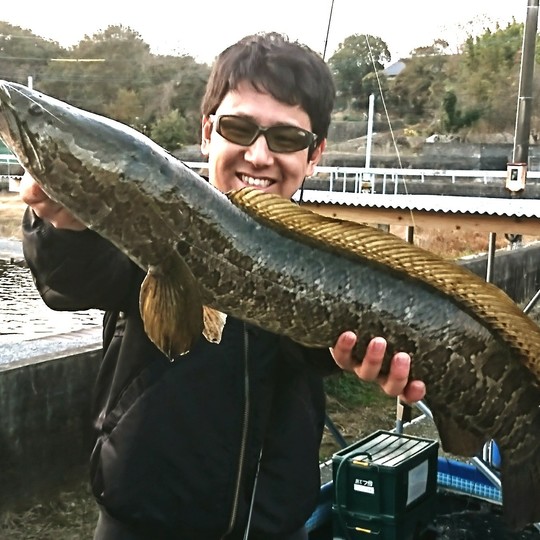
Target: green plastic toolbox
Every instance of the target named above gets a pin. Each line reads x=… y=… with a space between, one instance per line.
x=385 y=475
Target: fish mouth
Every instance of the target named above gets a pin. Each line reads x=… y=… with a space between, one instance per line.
x=12 y=132
x=7 y=118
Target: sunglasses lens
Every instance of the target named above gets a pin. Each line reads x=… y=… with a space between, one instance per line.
x=237 y=130
x=242 y=131
x=287 y=139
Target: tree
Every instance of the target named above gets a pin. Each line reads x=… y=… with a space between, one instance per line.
x=454 y=119
x=99 y=66
x=415 y=94
x=170 y=131
x=180 y=87
x=127 y=108
x=488 y=74
x=355 y=58
x=23 y=54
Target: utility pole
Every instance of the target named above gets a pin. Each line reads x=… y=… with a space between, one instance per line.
x=517 y=170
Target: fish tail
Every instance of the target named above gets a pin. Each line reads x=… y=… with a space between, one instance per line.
x=521 y=504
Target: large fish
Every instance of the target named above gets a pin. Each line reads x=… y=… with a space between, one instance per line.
x=270 y=262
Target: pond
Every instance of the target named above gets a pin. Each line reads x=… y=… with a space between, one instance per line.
x=23 y=314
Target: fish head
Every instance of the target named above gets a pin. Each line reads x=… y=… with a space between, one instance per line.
x=16 y=106
x=37 y=130
x=74 y=155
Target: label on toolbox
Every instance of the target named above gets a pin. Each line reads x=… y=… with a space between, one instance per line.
x=418 y=478
x=365 y=486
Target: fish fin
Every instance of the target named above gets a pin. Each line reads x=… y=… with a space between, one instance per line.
x=171 y=307
x=213 y=323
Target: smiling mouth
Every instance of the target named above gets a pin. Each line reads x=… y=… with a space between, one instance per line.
x=260 y=183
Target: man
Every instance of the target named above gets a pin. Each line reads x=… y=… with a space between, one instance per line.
x=224 y=441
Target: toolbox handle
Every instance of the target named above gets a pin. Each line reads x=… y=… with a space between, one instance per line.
x=341 y=505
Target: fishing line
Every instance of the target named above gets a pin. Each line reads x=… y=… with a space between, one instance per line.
x=375 y=70
x=392 y=135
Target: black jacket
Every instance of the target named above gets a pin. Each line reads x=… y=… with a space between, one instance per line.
x=177 y=443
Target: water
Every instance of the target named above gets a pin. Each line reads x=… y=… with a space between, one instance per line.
x=23 y=314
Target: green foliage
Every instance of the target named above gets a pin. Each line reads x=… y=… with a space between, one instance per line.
x=415 y=93
x=126 y=108
x=454 y=119
x=101 y=65
x=170 y=131
x=486 y=77
x=482 y=79
x=114 y=73
x=355 y=58
x=22 y=54
x=350 y=391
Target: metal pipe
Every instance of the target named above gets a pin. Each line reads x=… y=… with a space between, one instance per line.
x=371 y=110
x=487 y=472
x=532 y=302
x=491 y=256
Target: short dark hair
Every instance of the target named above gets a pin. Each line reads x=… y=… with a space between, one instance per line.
x=290 y=72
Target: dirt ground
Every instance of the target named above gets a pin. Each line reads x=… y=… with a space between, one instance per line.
x=72 y=515
x=11 y=211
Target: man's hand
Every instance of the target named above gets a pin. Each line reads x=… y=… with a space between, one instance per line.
x=396 y=383
x=45 y=208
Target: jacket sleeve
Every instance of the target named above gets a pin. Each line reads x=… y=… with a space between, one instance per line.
x=76 y=270
x=318 y=359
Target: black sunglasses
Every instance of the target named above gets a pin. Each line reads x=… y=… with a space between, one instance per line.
x=242 y=131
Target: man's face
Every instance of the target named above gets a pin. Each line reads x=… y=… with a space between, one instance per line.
x=232 y=166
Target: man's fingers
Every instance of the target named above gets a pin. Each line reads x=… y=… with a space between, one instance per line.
x=30 y=191
x=342 y=350
x=369 y=369
x=45 y=208
x=413 y=392
x=395 y=382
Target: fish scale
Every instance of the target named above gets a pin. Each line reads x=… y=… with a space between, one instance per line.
x=269 y=262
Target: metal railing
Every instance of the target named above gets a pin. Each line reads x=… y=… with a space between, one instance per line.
x=388 y=180
x=361 y=179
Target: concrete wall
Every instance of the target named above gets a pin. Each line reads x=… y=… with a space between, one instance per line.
x=517 y=272
x=45 y=428
x=450 y=156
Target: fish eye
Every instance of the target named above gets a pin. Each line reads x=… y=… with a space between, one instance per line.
x=35 y=109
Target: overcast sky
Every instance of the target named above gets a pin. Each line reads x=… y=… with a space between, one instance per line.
x=202 y=28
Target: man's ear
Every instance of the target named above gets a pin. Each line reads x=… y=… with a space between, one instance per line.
x=206 y=132
x=315 y=157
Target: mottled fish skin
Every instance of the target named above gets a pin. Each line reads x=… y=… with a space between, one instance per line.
x=266 y=261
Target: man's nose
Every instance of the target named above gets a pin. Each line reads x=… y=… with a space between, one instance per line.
x=258 y=152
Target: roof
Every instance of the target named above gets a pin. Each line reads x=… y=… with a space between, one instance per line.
x=511 y=207
x=394 y=69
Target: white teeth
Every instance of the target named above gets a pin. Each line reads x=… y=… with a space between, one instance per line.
x=256 y=182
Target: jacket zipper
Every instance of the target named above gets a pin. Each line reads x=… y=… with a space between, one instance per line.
x=245 y=422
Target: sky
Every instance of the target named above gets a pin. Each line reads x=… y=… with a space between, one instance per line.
x=203 y=28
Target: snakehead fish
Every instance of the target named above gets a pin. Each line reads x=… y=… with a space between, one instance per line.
x=270 y=262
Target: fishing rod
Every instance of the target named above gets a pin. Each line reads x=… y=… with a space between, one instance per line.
x=328 y=29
